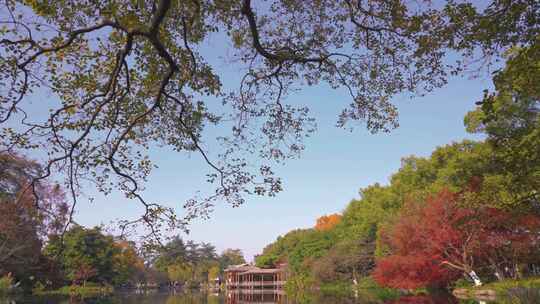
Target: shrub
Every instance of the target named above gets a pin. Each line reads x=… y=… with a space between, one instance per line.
x=367 y=288
x=524 y=295
x=339 y=289
x=38 y=288
x=6 y=284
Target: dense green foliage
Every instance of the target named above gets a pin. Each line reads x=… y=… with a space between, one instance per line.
x=501 y=172
x=231 y=257
x=191 y=264
x=509 y=118
x=348 y=251
x=86 y=254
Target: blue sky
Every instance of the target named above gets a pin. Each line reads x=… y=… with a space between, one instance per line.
x=335 y=165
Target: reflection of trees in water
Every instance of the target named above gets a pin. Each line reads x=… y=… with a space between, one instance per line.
x=425 y=299
x=267 y=297
x=157 y=298
x=193 y=298
x=239 y=298
x=123 y=298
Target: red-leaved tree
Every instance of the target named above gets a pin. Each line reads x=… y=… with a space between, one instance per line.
x=433 y=243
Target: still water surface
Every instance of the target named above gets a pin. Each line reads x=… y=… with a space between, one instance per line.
x=234 y=298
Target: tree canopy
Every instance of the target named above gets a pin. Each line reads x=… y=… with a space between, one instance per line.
x=85 y=254
x=25 y=226
x=123 y=76
x=193 y=264
x=435 y=242
x=510 y=117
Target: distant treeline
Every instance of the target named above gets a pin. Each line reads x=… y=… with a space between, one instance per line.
x=40 y=252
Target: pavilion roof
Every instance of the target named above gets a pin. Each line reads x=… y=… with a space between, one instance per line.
x=239 y=268
x=262 y=271
x=251 y=269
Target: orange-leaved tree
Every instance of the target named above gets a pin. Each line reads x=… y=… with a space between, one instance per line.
x=327 y=222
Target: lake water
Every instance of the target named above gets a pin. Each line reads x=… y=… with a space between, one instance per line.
x=233 y=298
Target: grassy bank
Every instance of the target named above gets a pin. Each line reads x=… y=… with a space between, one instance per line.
x=506 y=291
x=501 y=288
x=78 y=291
x=365 y=289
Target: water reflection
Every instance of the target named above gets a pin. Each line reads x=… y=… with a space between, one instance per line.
x=275 y=297
x=425 y=299
x=236 y=298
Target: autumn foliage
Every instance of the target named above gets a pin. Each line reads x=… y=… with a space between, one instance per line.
x=83 y=273
x=434 y=243
x=327 y=222
x=26 y=223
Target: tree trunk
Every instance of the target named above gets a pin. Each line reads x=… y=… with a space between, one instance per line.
x=497 y=271
x=466 y=269
x=517 y=272
x=475 y=278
